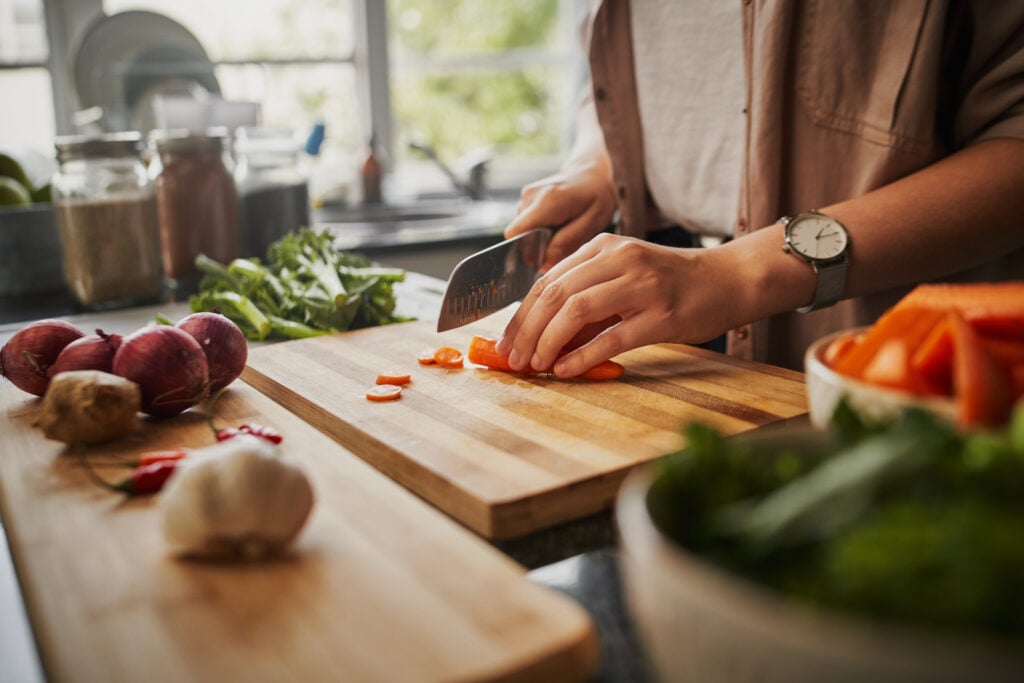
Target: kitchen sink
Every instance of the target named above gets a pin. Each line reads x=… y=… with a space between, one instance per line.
x=415 y=222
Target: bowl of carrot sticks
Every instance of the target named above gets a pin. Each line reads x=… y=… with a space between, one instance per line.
x=954 y=349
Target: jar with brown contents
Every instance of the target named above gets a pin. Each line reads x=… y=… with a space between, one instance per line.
x=196 y=202
x=106 y=214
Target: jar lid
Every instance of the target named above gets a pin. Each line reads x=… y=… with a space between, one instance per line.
x=108 y=145
x=185 y=140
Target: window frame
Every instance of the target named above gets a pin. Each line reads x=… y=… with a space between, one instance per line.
x=66 y=20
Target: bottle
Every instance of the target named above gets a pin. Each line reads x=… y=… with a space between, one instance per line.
x=107 y=219
x=370 y=172
x=273 y=188
x=197 y=202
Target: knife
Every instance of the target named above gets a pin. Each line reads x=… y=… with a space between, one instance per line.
x=489 y=280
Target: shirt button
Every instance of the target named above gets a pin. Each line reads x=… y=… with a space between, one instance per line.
x=742 y=332
x=600 y=93
x=622 y=191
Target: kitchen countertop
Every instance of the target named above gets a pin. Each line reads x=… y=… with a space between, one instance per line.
x=578 y=558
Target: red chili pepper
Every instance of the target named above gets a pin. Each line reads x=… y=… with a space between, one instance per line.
x=150 y=457
x=268 y=433
x=148 y=478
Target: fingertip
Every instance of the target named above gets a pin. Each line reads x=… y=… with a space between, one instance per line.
x=504 y=346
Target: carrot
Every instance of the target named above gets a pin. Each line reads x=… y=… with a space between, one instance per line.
x=448 y=357
x=933 y=360
x=992 y=308
x=425 y=357
x=383 y=392
x=394 y=377
x=483 y=351
x=838 y=348
x=981 y=384
x=604 y=370
x=909 y=323
x=890 y=366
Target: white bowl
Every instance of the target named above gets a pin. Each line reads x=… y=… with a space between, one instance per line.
x=699 y=623
x=825 y=387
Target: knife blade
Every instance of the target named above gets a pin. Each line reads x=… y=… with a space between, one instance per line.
x=491 y=279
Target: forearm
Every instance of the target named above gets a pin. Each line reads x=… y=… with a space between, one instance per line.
x=959 y=212
x=588 y=150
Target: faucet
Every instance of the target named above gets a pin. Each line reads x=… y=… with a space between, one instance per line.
x=475 y=162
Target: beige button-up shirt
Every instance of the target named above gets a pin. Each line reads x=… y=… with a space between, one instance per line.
x=843 y=96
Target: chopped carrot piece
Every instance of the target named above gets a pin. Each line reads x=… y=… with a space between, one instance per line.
x=383 y=392
x=604 y=370
x=890 y=367
x=911 y=324
x=448 y=357
x=395 y=377
x=425 y=357
x=838 y=348
x=483 y=351
x=982 y=388
x=933 y=360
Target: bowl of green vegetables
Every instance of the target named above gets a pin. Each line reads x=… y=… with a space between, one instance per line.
x=885 y=551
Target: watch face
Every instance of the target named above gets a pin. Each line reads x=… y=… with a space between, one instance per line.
x=817 y=237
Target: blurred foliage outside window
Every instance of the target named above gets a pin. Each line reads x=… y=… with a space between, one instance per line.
x=467 y=74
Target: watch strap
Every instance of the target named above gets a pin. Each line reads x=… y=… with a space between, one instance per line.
x=831 y=283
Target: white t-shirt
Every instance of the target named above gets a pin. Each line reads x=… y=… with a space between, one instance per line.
x=691 y=89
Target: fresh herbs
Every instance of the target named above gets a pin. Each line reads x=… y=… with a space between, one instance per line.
x=306 y=288
x=910 y=520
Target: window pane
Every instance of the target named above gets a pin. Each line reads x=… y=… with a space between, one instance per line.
x=521 y=113
x=267 y=29
x=447 y=28
x=296 y=97
x=29 y=122
x=22 y=31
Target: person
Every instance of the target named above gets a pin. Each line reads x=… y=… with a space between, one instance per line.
x=901 y=122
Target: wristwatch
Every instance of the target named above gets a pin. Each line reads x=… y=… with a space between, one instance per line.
x=823 y=242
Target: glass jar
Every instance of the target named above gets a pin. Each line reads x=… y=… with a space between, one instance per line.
x=196 y=202
x=273 y=186
x=106 y=216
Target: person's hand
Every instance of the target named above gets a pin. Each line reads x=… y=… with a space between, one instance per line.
x=579 y=201
x=619 y=293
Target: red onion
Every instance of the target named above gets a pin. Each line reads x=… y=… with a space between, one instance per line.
x=28 y=355
x=168 y=365
x=91 y=352
x=223 y=343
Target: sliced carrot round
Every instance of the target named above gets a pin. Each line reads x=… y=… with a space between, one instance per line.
x=383 y=392
x=425 y=357
x=448 y=357
x=394 y=377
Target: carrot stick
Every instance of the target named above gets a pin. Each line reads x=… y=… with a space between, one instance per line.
x=482 y=351
x=982 y=388
x=607 y=369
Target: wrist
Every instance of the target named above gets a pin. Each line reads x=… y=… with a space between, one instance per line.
x=773 y=281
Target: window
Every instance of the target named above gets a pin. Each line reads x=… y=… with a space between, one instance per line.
x=459 y=75
x=26 y=118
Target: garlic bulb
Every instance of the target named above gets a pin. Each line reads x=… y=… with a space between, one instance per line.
x=235 y=498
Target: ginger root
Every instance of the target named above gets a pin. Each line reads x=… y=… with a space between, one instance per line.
x=89 y=407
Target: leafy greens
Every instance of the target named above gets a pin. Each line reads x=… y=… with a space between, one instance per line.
x=306 y=288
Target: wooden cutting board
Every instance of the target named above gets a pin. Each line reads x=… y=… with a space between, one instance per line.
x=379 y=587
x=510 y=454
